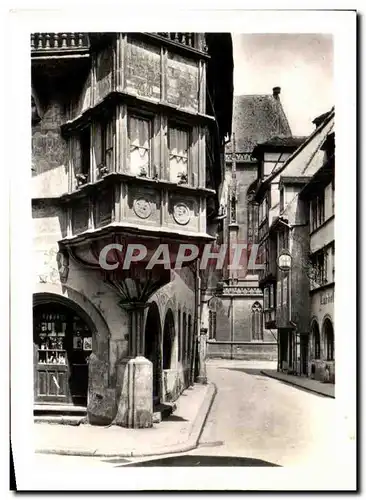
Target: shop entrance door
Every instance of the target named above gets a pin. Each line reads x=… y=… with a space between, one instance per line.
x=62 y=344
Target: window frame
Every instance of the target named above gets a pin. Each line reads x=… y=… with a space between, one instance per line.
x=135 y=115
x=107 y=126
x=188 y=129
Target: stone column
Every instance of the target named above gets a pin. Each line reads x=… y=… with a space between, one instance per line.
x=135 y=376
x=202 y=347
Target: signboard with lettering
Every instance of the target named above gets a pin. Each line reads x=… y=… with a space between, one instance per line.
x=143 y=73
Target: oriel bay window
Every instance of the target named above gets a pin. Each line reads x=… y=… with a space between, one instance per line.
x=178 y=144
x=139 y=146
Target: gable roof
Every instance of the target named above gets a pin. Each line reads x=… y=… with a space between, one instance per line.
x=306 y=159
x=256 y=119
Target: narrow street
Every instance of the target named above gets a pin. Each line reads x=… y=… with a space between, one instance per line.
x=252 y=417
x=255 y=416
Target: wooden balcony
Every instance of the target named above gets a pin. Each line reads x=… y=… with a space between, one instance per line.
x=59 y=44
x=184 y=38
x=195 y=41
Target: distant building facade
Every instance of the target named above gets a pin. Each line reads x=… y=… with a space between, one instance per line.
x=296 y=237
x=236 y=327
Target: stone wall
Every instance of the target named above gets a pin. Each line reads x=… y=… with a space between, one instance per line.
x=245 y=351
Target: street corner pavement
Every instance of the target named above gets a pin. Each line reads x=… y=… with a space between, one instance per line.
x=177 y=433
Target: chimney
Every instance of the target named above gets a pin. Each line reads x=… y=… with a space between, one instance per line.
x=276 y=92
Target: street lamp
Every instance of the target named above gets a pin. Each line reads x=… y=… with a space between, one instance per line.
x=284 y=263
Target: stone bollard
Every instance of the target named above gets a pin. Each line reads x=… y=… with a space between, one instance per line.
x=135 y=406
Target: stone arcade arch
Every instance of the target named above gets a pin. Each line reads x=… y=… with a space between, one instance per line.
x=328 y=335
x=168 y=340
x=152 y=347
x=64 y=336
x=315 y=340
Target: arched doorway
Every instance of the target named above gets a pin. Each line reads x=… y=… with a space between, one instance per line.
x=152 y=347
x=168 y=340
x=328 y=339
x=62 y=343
x=316 y=340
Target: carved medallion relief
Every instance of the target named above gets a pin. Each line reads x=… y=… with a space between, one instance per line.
x=142 y=208
x=181 y=214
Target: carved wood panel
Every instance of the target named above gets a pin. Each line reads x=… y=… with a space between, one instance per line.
x=143 y=72
x=182 y=82
x=143 y=205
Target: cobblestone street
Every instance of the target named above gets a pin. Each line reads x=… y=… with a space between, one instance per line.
x=254 y=417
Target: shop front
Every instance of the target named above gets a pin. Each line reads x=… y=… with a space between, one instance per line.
x=62 y=343
x=322 y=345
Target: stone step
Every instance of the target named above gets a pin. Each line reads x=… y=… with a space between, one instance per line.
x=74 y=415
x=49 y=409
x=60 y=419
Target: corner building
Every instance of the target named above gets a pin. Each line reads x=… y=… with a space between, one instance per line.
x=128 y=133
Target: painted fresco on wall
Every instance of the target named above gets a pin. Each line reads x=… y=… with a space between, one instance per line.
x=182 y=82
x=80 y=216
x=48 y=147
x=82 y=101
x=103 y=73
x=143 y=70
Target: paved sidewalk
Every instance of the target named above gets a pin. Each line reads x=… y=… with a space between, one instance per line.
x=178 y=433
x=303 y=382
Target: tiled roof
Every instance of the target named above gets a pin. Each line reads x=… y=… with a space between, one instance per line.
x=257 y=118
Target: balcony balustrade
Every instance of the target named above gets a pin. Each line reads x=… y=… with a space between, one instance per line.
x=58 y=42
x=184 y=38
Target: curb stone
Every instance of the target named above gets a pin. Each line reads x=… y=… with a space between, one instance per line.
x=300 y=386
x=189 y=444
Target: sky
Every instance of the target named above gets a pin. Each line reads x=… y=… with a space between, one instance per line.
x=301 y=64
